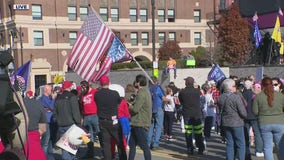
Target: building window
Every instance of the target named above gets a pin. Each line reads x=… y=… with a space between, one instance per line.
x=143 y=15
x=172 y=36
x=171 y=15
x=133 y=37
x=72 y=13
x=36 y=11
x=222 y=4
x=161 y=38
x=133 y=15
x=197 y=17
x=40 y=80
x=161 y=15
x=103 y=14
x=72 y=38
x=38 y=38
x=83 y=13
x=144 y=37
x=114 y=14
x=197 y=38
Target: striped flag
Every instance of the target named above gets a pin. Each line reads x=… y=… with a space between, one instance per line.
x=257 y=36
x=93 y=41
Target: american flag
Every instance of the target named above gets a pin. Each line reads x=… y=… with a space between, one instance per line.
x=93 y=41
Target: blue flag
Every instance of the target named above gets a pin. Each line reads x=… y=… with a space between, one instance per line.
x=216 y=74
x=117 y=52
x=22 y=75
x=256 y=34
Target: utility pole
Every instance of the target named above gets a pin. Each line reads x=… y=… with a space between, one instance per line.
x=155 y=64
x=153 y=31
x=21 y=45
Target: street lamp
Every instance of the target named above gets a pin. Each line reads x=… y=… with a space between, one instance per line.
x=13 y=34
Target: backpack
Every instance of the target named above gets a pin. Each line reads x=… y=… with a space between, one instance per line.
x=155 y=94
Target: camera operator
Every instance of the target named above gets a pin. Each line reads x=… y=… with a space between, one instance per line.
x=13 y=116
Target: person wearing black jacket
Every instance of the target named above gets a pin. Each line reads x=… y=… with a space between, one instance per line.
x=107 y=103
x=190 y=99
x=251 y=121
x=66 y=113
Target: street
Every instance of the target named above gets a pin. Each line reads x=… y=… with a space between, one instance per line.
x=176 y=149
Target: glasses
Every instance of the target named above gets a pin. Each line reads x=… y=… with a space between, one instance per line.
x=275 y=84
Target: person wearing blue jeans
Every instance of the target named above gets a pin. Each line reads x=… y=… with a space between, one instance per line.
x=257 y=136
x=141 y=112
x=46 y=143
x=271 y=133
x=268 y=105
x=64 y=154
x=91 y=122
x=155 y=129
x=233 y=114
x=235 y=137
x=139 y=137
x=47 y=100
x=158 y=97
x=66 y=113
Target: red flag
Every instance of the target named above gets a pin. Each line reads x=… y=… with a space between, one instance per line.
x=93 y=41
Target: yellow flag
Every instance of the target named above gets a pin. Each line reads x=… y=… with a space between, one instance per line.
x=58 y=79
x=276 y=34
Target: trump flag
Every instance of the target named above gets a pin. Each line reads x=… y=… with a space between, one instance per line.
x=22 y=74
x=116 y=53
x=216 y=74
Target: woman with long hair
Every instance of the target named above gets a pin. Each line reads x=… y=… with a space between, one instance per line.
x=268 y=105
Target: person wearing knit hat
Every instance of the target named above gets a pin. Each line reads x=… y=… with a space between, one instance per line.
x=251 y=122
x=66 y=112
x=107 y=104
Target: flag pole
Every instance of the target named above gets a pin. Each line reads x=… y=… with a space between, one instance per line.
x=146 y=74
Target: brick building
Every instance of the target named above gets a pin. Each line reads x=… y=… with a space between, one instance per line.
x=45 y=30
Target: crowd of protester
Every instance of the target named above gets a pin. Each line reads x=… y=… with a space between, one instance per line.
x=241 y=111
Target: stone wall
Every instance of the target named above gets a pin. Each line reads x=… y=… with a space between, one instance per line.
x=125 y=77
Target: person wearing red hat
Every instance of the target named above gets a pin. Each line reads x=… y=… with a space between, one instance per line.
x=107 y=102
x=36 y=127
x=66 y=113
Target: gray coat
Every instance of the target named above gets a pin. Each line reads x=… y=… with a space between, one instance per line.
x=232 y=109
